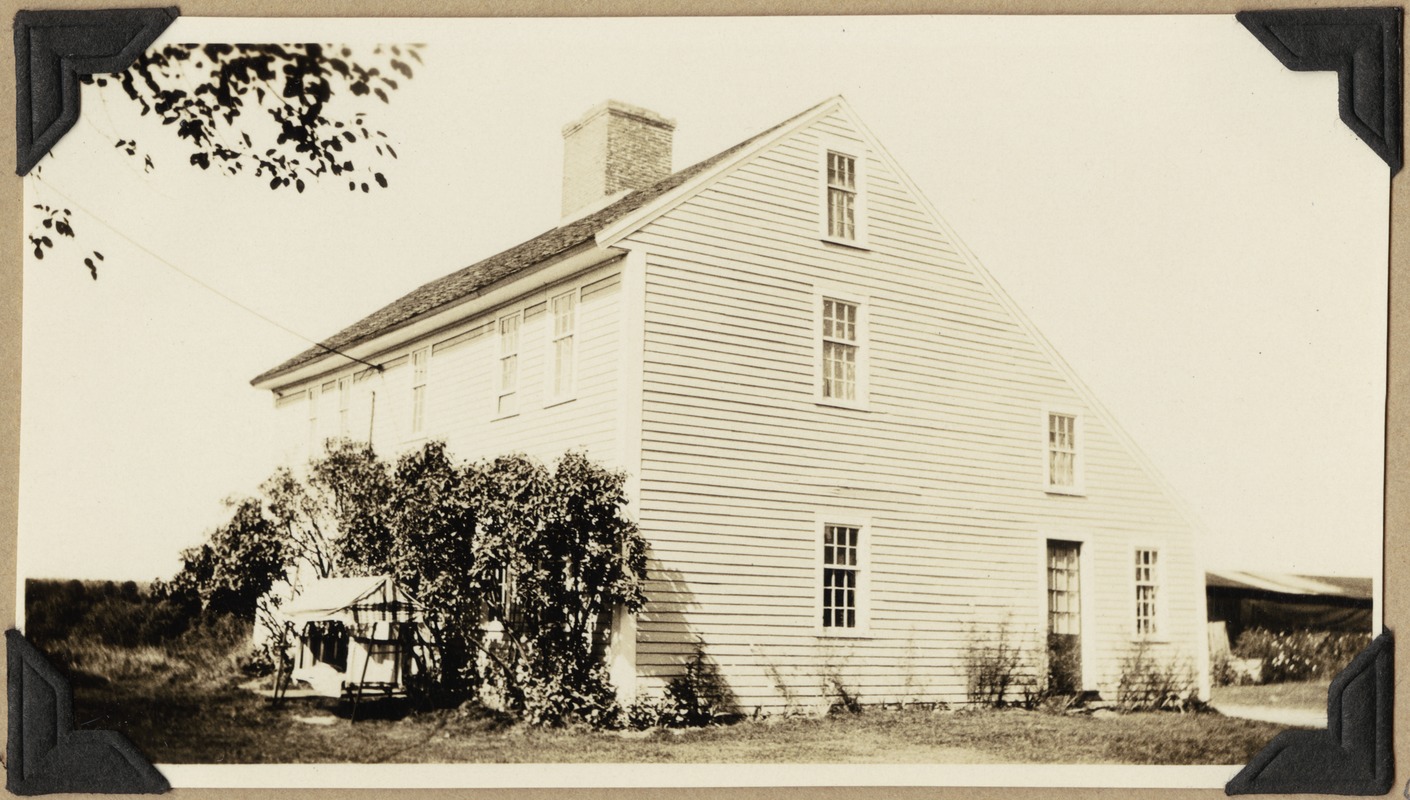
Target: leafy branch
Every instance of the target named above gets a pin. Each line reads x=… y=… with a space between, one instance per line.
x=259 y=109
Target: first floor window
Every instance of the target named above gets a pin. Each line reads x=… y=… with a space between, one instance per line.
x=1147 y=592
x=840 y=572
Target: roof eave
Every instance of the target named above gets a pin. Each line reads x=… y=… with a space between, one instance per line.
x=547 y=271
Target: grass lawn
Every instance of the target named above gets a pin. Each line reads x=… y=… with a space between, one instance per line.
x=1311 y=696
x=207 y=722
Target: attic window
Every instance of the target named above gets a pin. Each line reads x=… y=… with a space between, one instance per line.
x=1062 y=463
x=841 y=196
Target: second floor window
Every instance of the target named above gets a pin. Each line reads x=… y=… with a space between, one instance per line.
x=507 y=398
x=1062 y=451
x=419 y=367
x=344 y=404
x=841 y=196
x=564 y=309
x=840 y=345
x=313 y=422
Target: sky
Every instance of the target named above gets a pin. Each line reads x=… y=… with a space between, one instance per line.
x=1187 y=222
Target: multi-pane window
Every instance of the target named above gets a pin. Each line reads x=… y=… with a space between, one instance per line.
x=840 y=344
x=419 y=367
x=344 y=405
x=313 y=422
x=506 y=401
x=1062 y=450
x=1064 y=595
x=840 y=572
x=1147 y=592
x=564 y=309
x=841 y=196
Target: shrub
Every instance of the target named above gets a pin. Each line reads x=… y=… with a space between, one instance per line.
x=696 y=698
x=780 y=684
x=1149 y=683
x=1300 y=654
x=994 y=666
x=839 y=697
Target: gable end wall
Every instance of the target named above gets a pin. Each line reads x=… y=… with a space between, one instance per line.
x=740 y=464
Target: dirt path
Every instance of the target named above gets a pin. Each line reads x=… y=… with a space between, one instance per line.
x=1294 y=717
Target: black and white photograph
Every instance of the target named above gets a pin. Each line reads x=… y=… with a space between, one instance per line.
x=907 y=400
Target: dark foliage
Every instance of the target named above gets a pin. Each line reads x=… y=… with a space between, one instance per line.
x=235 y=567
x=104 y=612
x=432 y=521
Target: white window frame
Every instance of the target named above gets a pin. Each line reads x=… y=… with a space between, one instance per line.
x=553 y=395
x=496 y=400
x=1079 y=459
x=863 y=344
x=858 y=154
x=418 y=405
x=314 y=440
x=1162 y=592
x=863 y=571
x=344 y=406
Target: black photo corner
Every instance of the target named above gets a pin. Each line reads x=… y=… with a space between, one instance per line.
x=1353 y=756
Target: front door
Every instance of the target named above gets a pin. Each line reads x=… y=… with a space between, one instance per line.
x=1064 y=617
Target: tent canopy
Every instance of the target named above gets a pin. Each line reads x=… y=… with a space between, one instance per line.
x=352 y=601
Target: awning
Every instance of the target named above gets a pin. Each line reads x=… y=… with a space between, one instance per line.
x=1306 y=585
x=352 y=601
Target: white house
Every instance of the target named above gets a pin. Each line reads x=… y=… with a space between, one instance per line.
x=850 y=452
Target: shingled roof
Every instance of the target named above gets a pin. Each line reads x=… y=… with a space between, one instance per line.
x=457 y=285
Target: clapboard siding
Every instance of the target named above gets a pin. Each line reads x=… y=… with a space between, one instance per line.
x=460 y=389
x=739 y=463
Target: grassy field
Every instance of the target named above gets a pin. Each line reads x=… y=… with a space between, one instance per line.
x=1310 y=696
x=177 y=697
x=181 y=716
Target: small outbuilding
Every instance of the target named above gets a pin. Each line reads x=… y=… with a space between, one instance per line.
x=357 y=637
x=1281 y=602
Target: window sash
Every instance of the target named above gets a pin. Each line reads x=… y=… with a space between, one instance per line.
x=419 y=369
x=565 y=326
x=840 y=346
x=841 y=196
x=841 y=564
x=1064 y=590
x=506 y=402
x=1062 y=450
x=1147 y=592
x=313 y=422
x=344 y=404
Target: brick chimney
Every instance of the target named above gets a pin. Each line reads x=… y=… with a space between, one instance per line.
x=613 y=148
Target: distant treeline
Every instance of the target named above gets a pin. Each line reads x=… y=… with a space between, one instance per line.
x=125 y=614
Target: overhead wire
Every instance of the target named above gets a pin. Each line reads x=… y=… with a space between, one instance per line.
x=218 y=293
